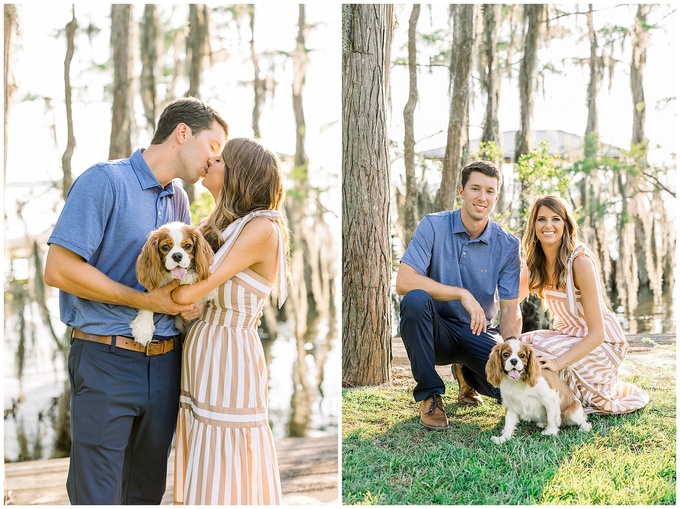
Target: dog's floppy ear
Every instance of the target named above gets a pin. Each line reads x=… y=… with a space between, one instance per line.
x=149 y=266
x=533 y=366
x=203 y=255
x=494 y=367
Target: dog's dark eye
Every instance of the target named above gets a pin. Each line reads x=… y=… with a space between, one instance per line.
x=165 y=248
x=506 y=355
x=187 y=247
x=521 y=356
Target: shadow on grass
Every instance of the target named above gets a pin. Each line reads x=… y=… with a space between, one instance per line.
x=390 y=459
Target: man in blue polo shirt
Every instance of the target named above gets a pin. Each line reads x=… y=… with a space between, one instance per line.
x=458 y=269
x=124 y=397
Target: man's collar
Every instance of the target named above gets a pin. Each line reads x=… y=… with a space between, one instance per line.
x=145 y=176
x=459 y=227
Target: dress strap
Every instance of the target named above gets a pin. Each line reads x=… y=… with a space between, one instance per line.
x=231 y=233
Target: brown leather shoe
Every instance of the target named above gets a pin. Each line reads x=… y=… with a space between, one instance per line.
x=466 y=394
x=432 y=414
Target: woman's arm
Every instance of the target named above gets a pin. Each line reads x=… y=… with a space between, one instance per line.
x=256 y=248
x=585 y=279
x=524 y=283
x=511 y=318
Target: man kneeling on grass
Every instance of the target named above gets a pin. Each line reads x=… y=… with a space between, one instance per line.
x=457 y=270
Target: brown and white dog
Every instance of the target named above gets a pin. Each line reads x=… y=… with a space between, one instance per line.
x=173 y=251
x=531 y=393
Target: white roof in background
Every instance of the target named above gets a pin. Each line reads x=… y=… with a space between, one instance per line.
x=568 y=145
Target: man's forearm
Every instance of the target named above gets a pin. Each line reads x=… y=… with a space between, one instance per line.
x=408 y=279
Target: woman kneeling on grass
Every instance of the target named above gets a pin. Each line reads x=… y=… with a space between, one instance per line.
x=588 y=344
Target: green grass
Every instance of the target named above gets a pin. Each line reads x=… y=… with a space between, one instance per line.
x=390 y=459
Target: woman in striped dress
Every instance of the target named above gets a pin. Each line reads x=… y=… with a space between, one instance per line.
x=587 y=345
x=224 y=446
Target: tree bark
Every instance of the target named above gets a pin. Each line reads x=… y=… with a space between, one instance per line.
x=410 y=209
x=149 y=57
x=10 y=31
x=67 y=179
x=457 y=137
x=366 y=260
x=527 y=77
x=120 y=145
x=259 y=85
x=197 y=49
x=640 y=44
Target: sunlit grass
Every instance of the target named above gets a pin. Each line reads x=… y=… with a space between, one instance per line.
x=389 y=459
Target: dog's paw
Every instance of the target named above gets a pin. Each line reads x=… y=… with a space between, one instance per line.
x=585 y=426
x=497 y=440
x=541 y=425
x=142 y=327
x=550 y=431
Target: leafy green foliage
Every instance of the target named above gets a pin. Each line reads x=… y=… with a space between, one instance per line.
x=201 y=207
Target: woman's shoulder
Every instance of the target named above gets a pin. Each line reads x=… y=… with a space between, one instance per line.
x=583 y=265
x=260 y=229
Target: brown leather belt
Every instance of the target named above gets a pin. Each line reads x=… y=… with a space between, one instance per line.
x=152 y=347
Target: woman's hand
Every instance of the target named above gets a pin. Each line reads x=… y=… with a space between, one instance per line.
x=547 y=363
x=192 y=313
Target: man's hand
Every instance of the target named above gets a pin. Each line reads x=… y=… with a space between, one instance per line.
x=477 y=316
x=160 y=300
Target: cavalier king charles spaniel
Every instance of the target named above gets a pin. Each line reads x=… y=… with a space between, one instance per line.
x=531 y=393
x=173 y=251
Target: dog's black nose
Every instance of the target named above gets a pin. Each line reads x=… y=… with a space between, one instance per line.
x=177 y=257
x=513 y=362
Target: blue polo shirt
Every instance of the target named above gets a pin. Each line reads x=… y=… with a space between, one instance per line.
x=109 y=212
x=488 y=266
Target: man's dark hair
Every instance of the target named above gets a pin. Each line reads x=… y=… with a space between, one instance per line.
x=190 y=111
x=486 y=167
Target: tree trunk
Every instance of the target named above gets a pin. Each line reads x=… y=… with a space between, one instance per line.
x=640 y=43
x=491 y=77
x=533 y=315
x=410 y=210
x=259 y=85
x=197 y=49
x=491 y=85
x=10 y=30
x=527 y=77
x=367 y=260
x=67 y=179
x=120 y=145
x=457 y=138
x=149 y=56
x=591 y=188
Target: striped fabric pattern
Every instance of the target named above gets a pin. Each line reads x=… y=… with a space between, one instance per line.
x=224 y=446
x=594 y=379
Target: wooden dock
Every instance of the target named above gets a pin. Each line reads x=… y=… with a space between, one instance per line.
x=308 y=466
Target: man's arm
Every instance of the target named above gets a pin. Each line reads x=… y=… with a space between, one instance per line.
x=409 y=279
x=511 y=318
x=67 y=271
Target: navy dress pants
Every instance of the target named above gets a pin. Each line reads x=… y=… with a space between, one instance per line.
x=123 y=415
x=433 y=340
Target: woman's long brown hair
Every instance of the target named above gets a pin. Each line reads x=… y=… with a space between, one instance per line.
x=253 y=180
x=535 y=257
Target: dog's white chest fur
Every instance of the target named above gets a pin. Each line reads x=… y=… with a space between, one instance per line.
x=529 y=402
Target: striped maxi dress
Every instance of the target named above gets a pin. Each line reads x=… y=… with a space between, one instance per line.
x=224 y=446
x=594 y=379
